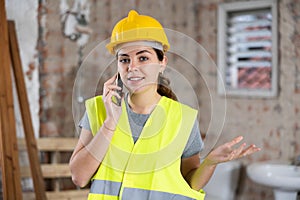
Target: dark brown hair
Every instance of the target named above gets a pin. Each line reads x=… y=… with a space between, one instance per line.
x=163 y=82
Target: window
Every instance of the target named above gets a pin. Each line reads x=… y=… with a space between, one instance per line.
x=247 y=48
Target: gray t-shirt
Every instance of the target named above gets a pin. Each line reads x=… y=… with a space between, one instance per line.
x=137 y=122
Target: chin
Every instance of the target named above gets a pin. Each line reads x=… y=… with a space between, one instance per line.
x=141 y=89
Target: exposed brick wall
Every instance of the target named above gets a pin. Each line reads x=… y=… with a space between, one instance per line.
x=58 y=64
x=273 y=124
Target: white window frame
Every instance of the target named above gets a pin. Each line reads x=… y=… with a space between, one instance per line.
x=224 y=11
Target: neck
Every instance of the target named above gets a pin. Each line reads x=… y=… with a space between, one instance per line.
x=144 y=102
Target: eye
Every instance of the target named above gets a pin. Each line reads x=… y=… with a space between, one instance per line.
x=143 y=58
x=124 y=60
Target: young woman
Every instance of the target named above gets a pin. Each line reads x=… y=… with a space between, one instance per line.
x=147 y=148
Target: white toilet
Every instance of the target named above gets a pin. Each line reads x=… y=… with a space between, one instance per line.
x=224 y=182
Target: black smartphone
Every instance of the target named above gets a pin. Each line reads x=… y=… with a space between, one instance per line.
x=119 y=83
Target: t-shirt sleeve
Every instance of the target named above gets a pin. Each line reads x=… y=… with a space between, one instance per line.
x=195 y=143
x=84 y=122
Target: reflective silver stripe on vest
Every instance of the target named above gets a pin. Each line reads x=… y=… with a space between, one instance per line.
x=105 y=187
x=138 y=194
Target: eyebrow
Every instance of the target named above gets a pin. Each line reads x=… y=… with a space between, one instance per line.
x=139 y=52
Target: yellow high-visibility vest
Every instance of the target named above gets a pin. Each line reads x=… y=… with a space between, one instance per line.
x=150 y=168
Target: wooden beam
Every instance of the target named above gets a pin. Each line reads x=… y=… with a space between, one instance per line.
x=62 y=195
x=9 y=152
x=52 y=144
x=32 y=150
x=54 y=171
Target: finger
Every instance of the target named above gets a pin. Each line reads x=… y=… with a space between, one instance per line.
x=110 y=88
x=111 y=80
x=113 y=87
x=250 y=150
x=105 y=92
x=110 y=94
x=237 y=152
x=114 y=93
x=234 y=141
x=110 y=85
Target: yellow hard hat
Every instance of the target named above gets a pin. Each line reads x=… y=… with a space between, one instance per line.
x=137 y=27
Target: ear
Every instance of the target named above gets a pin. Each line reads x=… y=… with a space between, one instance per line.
x=164 y=63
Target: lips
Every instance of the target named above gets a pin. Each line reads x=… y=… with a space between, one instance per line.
x=135 y=78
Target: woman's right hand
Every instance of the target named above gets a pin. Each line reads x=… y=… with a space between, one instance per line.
x=113 y=111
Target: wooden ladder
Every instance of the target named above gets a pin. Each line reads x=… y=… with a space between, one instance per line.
x=10 y=146
x=11 y=62
x=55 y=170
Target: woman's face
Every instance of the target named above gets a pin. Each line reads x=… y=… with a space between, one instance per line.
x=139 y=68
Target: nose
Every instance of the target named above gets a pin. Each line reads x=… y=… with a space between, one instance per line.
x=132 y=65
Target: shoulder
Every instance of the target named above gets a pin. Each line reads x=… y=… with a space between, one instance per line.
x=94 y=105
x=94 y=101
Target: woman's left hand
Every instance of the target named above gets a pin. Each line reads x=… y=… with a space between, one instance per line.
x=227 y=152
